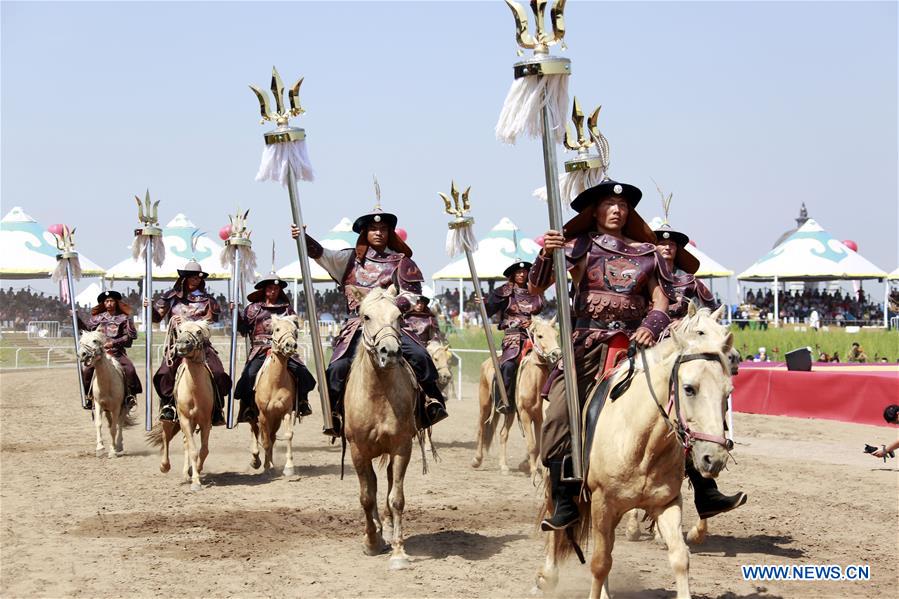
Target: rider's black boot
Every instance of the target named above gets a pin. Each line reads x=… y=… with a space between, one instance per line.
x=708 y=499
x=435 y=405
x=167 y=409
x=565 y=512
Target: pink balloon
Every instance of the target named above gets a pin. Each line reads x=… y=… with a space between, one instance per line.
x=401 y=233
x=850 y=244
x=539 y=240
x=56 y=229
x=225 y=232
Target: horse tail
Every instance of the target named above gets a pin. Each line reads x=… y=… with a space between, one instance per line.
x=489 y=427
x=560 y=544
x=154 y=437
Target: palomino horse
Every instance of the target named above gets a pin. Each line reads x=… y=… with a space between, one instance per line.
x=379 y=406
x=276 y=392
x=637 y=455
x=194 y=396
x=532 y=374
x=442 y=357
x=108 y=391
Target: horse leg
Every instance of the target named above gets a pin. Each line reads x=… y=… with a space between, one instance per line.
x=254 y=445
x=397 y=500
x=119 y=441
x=697 y=534
x=185 y=470
x=485 y=404
x=192 y=453
x=368 y=497
x=632 y=532
x=112 y=418
x=168 y=432
x=388 y=516
x=265 y=435
x=669 y=524
x=204 y=447
x=504 y=442
x=548 y=574
x=98 y=424
x=604 y=524
x=524 y=416
x=288 y=437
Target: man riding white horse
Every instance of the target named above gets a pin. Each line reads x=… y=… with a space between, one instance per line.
x=380 y=260
x=112 y=317
x=188 y=300
x=256 y=321
x=672 y=247
x=516 y=306
x=622 y=289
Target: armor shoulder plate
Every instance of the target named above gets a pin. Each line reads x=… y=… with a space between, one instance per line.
x=409 y=272
x=577 y=247
x=504 y=290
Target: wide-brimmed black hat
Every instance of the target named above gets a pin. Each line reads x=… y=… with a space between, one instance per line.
x=683 y=259
x=666 y=233
x=515 y=267
x=191 y=269
x=607 y=188
x=424 y=299
x=271 y=280
x=375 y=216
x=108 y=294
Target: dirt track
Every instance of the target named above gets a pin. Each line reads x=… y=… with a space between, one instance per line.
x=77 y=525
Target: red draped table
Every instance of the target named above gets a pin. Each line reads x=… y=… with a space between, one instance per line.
x=847 y=392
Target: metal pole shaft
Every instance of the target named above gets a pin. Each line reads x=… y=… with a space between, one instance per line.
x=491 y=344
x=71 y=284
x=562 y=298
x=148 y=335
x=311 y=313
x=235 y=275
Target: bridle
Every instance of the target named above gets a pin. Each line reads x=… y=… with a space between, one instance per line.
x=544 y=356
x=91 y=352
x=370 y=342
x=277 y=342
x=173 y=335
x=685 y=435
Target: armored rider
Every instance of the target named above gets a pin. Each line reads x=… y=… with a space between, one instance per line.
x=422 y=321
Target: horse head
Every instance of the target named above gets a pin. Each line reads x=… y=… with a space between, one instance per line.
x=545 y=338
x=285 y=330
x=90 y=347
x=380 y=324
x=700 y=385
x=191 y=338
x=440 y=354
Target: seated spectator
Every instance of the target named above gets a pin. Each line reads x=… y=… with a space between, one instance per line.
x=857 y=354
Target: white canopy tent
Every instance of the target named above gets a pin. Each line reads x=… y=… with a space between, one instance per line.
x=28 y=250
x=496 y=251
x=811 y=254
x=894 y=276
x=88 y=297
x=176 y=236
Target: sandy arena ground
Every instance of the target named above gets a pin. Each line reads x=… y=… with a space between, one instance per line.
x=77 y=525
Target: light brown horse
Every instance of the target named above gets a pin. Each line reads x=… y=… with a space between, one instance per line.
x=379 y=406
x=194 y=396
x=276 y=392
x=107 y=390
x=637 y=456
x=442 y=357
x=532 y=374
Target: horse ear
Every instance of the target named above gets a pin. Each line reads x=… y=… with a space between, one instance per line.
x=553 y=320
x=717 y=314
x=676 y=337
x=392 y=291
x=294 y=319
x=691 y=309
x=204 y=327
x=728 y=343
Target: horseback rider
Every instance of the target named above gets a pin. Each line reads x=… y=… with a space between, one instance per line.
x=188 y=300
x=255 y=320
x=112 y=317
x=421 y=321
x=516 y=306
x=622 y=289
x=379 y=260
x=672 y=247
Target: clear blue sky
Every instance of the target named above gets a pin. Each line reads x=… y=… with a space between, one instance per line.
x=742 y=109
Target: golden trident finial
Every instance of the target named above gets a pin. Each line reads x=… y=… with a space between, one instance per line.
x=541 y=41
x=581 y=144
x=240 y=235
x=65 y=242
x=458 y=206
x=280 y=115
x=147 y=213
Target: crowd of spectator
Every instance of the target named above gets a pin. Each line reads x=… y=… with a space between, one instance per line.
x=812 y=306
x=18 y=307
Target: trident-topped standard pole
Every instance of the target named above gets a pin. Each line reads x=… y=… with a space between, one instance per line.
x=145 y=237
x=67 y=264
x=284 y=160
x=238 y=253
x=541 y=80
x=461 y=237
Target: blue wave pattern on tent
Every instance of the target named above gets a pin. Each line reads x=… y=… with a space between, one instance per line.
x=822 y=237
x=181 y=247
x=42 y=239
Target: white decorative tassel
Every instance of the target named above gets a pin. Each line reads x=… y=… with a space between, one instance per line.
x=521 y=113
x=460 y=239
x=571 y=185
x=139 y=248
x=59 y=273
x=276 y=157
x=247 y=260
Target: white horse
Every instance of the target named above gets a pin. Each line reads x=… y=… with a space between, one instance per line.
x=108 y=391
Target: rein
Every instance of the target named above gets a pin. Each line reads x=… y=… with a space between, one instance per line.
x=680 y=426
x=538 y=350
x=172 y=335
x=370 y=342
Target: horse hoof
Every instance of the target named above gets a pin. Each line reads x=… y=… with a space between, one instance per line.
x=372 y=551
x=114 y=454
x=288 y=471
x=399 y=563
x=101 y=453
x=165 y=468
x=504 y=470
x=476 y=462
x=196 y=487
x=696 y=536
x=255 y=462
x=535 y=591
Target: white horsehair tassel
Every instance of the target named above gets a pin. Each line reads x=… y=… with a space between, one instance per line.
x=276 y=157
x=139 y=248
x=247 y=260
x=521 y=112
x=460 y=239
x=571 y=185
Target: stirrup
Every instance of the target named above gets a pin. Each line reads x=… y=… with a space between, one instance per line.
x=162 y=413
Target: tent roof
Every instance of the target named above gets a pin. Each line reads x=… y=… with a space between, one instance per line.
x=503 y=245
x=28 y=250
x=340 y=237
x=176 y=237
x=811 y=254
x=708 y=268
x=88 y=297
x=894 y=275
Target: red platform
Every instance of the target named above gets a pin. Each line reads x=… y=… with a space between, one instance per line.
x=847 y=392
